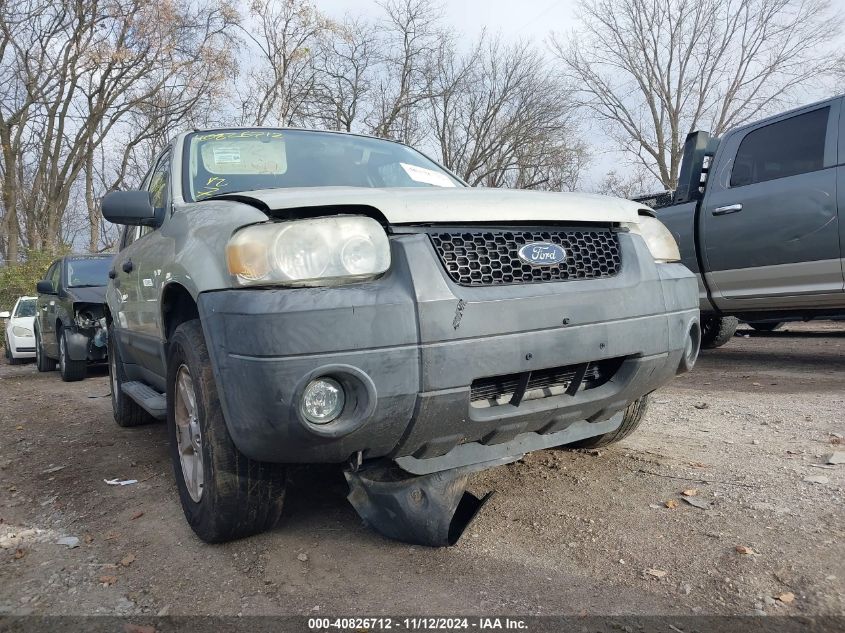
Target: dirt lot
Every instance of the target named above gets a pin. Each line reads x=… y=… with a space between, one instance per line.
x=567 y=532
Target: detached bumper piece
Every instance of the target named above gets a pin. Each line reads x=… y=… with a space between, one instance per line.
x=432 y=510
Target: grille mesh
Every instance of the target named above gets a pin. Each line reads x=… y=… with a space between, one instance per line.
x=486 y=258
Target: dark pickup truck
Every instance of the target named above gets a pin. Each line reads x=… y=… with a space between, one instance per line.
x=758 y=218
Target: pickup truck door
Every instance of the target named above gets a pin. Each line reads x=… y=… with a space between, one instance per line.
x=769 y=225
x=840 y=187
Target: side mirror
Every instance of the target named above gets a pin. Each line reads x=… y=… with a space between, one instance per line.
x=45 y=287
x=130 y=207
x=4 y=315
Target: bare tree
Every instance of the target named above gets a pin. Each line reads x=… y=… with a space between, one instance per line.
x=282 y=80
x=24 y=85
x=76 y=70
x=627 y=185
x=503 y=118
x=839 y=75
x=653 y=70
x=191 y=98
x=345 y=66
x=411 y=39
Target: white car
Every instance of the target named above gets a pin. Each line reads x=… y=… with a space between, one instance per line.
x=20 y=336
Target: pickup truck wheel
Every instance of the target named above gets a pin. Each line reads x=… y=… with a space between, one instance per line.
x=127 y=412
x=716 y=331
x=71 y=370
x=765 y=327
x=631 y=419
x=41 y=361
x=224 y=494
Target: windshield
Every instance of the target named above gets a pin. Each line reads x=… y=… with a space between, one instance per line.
x=88 y=272
x=246 y=160
x=26 y=308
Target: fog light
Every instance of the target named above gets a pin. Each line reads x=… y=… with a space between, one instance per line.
x=322 y=401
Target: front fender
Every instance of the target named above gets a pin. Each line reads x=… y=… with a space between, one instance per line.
x=199 y=234
x=76 y=344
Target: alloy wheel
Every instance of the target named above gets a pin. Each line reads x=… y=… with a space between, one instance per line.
x=188 y=433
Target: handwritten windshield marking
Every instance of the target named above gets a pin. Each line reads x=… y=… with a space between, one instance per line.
x=213 y=185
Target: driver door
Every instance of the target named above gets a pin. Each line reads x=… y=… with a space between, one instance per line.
x=769 y=222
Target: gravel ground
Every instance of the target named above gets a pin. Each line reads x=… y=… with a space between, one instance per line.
x=746 y=435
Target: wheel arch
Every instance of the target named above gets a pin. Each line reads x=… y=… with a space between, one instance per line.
x=178 y=305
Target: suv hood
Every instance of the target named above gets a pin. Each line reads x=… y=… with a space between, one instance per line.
x=95 y=294
x=440 y=205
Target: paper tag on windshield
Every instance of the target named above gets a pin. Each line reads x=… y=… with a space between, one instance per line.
x=227 y=155
x=428 y=176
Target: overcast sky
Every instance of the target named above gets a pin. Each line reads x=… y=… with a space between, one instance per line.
x=513 y=18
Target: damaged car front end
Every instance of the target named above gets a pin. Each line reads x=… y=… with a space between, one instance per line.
x=70 y=326
x=454 y=359
x=88 y=334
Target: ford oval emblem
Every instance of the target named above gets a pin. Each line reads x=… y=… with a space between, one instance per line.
x=542 y=254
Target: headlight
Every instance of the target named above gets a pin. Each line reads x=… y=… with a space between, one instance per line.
x=318 y=252
x=21 y=331
x=658 y=238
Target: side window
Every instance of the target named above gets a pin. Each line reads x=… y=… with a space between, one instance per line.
x=49 y=274
x=133 y=233
x=159 y=185
x=56 y=275
x=130 y=233
x=786 y=148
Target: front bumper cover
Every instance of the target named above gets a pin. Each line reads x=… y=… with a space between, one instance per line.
x=408 y=346
x=20 y=346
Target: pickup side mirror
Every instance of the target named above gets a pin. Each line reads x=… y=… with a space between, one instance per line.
x=45 y=287
x=131 y=207
x=5 y=314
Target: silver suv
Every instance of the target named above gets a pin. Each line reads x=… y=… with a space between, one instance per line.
x=289 y=296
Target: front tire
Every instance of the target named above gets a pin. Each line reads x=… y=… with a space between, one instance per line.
x=127 y=412
x=716 y=331
x=71 y=370
x=10 y=358
x=224 y=494
x=631 y=419
x=41 y=361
